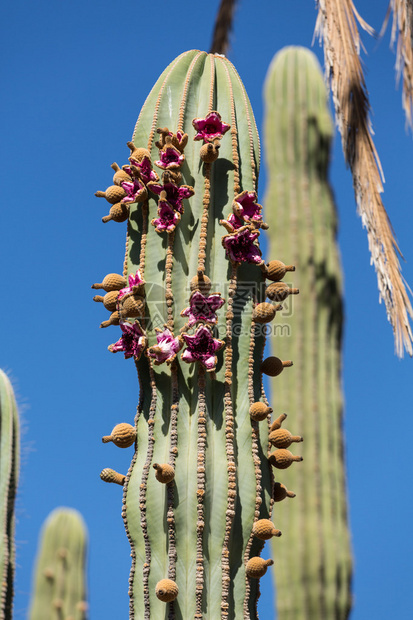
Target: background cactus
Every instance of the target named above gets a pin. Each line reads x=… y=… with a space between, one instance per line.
x=313 y=568
x=9 y=473
x=59 y=591
x=192 y=540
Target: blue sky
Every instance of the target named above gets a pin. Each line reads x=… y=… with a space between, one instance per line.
x=76 y=75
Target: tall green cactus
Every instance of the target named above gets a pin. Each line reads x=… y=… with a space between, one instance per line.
x=313 y=569
x=200 y=479
x=9 y=473
x=59 y=589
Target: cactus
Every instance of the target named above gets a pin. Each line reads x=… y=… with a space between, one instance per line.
x=9 y=473
x=313 y=568
x=59 y=589
x=200 y=475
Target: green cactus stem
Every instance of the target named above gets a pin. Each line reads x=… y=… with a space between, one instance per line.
x=9 y=473
x=197 y=347
x=59 y=584
x=313 y=559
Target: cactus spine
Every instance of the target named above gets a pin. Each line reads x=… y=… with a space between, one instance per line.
x=9 y=472
x=193 y=239
x=59 y=588
x=313 y=567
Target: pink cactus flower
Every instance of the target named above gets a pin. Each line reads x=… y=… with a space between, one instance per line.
x=173 y=194
x=145 y=169
x=202 y=347
x=203 y=308
x=210 y=127
x=135 y=191
x=167 y=218
x=134 y=280
x=240 y=246
x=232 y=223
x=246 y=207
x=171 y=158
x=132 y=342
x=167 y=347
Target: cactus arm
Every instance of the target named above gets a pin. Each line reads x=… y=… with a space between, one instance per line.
x=313 y=570
x=9 y=472
x=59 y=586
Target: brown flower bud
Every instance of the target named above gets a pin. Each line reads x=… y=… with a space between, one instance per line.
x=259 y=411
x=257 y=567
x=118 y=213
x=283 y=458
x=113 y=194
x=166 y=590
x=138 y=153
x=277 y=423
x=278 y=291
x=110 y=475
x=200 y=283
x=120 y=175
x=111 y=282
x=109 y=300
x=123 y=435
x=209 y=152
x=281 y=438
x=265 y=312
x=273 y=366
x=280 y=492
x=164 y=473
x=112 y=320
x=264 y=529
x=276 y=270
x=132 y=306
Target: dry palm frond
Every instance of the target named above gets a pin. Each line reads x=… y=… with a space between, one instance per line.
x=336 y=25
x=223 y=27
x=402 y=29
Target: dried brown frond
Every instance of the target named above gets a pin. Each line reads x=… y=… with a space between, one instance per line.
x=223 y=27
x=336 y=25
x=402 y=31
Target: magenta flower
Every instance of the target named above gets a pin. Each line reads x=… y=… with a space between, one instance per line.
x=134 y=281
x=232 y=223
x=246 y=207
x=202 y=347
x=203 y=308
x=167 y=347
x=135 y=191
x=132 y=342
x=171 y=158
x=210 y=127
x=173 y=194
x=167 y=218
x=145 y=169
x=240 y=246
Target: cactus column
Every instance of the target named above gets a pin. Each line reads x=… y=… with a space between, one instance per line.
x=59 y=591
x=313 y=567
x=200 y=477
x=9 y=472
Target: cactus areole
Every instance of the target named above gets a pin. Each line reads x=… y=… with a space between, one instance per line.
x=197 y=346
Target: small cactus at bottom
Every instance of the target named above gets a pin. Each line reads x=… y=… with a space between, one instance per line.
x=9 y=473
x=59 y=588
